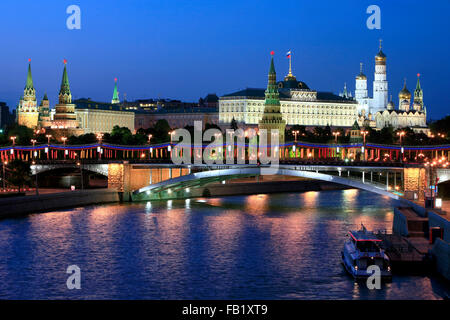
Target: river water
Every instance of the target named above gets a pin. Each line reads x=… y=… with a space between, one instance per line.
x=278 y=246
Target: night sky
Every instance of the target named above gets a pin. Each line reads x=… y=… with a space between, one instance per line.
x=187 y=49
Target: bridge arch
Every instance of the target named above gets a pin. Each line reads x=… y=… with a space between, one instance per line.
x=203 y=177
x=95 y=168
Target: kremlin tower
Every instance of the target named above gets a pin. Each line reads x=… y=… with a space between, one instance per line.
x=115 y=98
x=27 y=111
x=418 y=96
x=272 y=118
x=44 y=111
x=65 y=117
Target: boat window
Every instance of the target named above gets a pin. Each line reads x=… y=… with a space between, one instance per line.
x=367 y=246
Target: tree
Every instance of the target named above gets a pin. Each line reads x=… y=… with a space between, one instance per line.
x=162 y=129
x=23 y=134
x=19 y=173
x=233 y=124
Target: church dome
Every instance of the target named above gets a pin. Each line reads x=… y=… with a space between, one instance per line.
x=361 y=76
x=292 y=84
x=391 y=105
x=380 y=56
x=404 y=93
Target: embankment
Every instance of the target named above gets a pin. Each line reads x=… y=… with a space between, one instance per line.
x=16 y=206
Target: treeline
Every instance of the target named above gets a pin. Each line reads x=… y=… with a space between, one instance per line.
x=160 y=133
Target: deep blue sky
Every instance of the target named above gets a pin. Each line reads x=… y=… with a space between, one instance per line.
x=186 y=49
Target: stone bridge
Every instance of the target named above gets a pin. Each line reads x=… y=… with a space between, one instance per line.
x=145 y=181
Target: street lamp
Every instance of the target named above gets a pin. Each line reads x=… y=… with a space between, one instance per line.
x=100 y=138
x=48 y=136
x=336 y=134
x=295 y=132
x=4 y=164
x=13 y=140
x=364 y=133
x=149 y=138
x=401 y=134
x=64 y=142
x=33 y=141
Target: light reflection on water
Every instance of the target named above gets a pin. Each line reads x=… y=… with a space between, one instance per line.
x=279 y=246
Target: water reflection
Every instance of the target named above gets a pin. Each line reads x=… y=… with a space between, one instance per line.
x=278 y=246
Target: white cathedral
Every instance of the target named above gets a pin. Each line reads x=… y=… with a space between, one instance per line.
x=378 y=113
x=302 y=106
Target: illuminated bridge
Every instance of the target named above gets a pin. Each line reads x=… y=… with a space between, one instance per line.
x=146 y=172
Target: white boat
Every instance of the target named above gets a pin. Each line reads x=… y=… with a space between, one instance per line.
x=362 y=250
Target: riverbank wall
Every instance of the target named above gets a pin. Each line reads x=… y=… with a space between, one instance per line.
x=441 y=247
x=17 y=206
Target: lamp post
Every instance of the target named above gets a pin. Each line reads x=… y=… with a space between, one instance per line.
x=4 y=165
x=100 y=137
x=48 y=136
x=336 y=134
x=150 y=138
x=364 y=133
x=33 y=141
x=64 y=143
x=401 y=134
x=295 y=133
x=79 y=163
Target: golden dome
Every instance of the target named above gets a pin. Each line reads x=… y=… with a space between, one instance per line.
x=380 y=56
x=361 y=75
x=404 y=93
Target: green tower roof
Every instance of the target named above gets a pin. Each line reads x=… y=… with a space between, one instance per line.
x=65 y=87
x=356 y=126
x=115 y=97
x=45 y=96
x=29 y=84
x=272 y=67
x=418 y=83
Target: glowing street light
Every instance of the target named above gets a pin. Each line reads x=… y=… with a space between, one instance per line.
x=13 y=138
x=100 y=137
x=364 y=133
x=48 y=136
x=401 y=134
x=295 y=133
x=336 y=134
x=149 y=138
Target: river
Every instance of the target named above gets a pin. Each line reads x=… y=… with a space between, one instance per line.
x=277 y=246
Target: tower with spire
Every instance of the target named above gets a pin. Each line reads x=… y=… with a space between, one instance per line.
x=361 y=93
x=418 y=96
x=27 y=111
x=380 y=84
x=44 y=111
x=272 y=118
x=65 y=117
x=115 y=98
